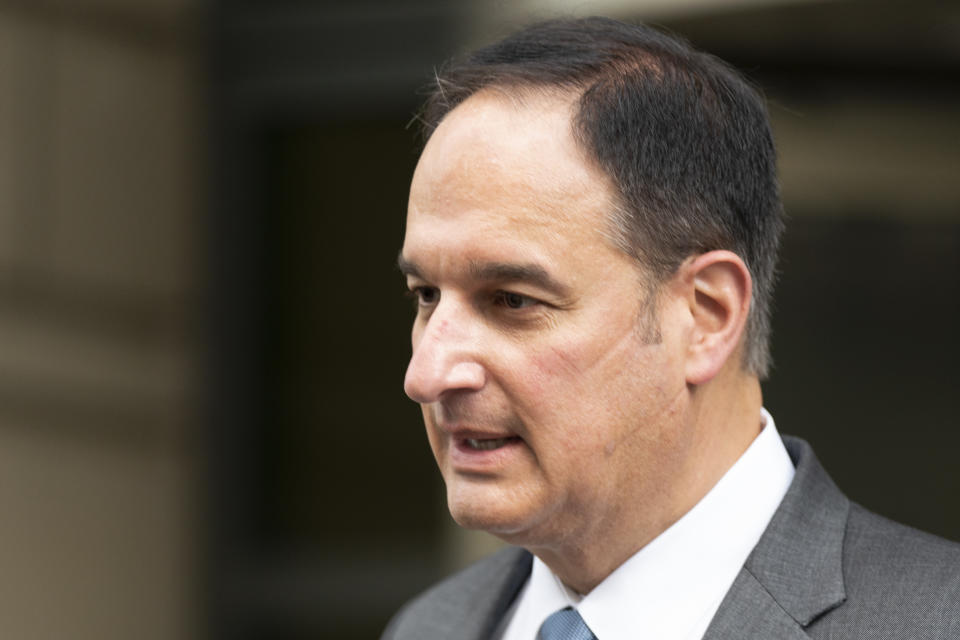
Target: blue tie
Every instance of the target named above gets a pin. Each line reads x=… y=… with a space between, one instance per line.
x=565 y=624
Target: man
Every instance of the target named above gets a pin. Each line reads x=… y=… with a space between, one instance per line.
x=591 y=238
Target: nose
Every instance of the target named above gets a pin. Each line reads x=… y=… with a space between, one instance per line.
x=444 y=357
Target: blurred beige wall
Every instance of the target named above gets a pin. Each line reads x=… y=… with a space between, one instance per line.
x=98 y=284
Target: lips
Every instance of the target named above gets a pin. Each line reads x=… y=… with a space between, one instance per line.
x=473 y=451
x=481 y=439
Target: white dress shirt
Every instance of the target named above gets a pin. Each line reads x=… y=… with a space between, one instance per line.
x=672 y=587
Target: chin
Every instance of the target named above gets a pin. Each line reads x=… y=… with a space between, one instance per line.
x=488 y=511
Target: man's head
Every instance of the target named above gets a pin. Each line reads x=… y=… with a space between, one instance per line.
x=564 y=414
x=684 y=139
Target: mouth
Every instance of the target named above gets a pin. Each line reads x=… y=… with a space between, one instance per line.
x=489 y=444
x=479 y=453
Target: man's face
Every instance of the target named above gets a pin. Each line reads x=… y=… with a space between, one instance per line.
x=546 y=405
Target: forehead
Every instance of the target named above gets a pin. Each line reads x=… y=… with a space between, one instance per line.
x=508 y=169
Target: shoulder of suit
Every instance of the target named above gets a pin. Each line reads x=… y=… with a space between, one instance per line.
x=881 y=549
x=900 y=582
x=466 y=602
x=841 y=571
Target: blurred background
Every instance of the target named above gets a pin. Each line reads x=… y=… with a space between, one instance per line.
x=203 y=336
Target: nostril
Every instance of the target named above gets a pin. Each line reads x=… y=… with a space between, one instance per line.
x=466 y=375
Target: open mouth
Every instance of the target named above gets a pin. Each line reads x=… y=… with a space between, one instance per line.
x=489 y=444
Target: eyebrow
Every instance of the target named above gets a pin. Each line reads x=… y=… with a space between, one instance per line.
x=407 y=268
x=530 y=273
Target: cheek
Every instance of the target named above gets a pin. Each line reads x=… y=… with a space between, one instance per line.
x=606 y=387
x=568 y=388
x=590 y=365
x=551 y=373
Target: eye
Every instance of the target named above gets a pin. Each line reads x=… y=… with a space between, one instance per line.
x=513 y=300
x=426 y=296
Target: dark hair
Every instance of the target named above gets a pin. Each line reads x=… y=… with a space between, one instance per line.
x=683 y=136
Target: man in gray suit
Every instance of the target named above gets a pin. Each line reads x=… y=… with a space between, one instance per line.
x=591 y=238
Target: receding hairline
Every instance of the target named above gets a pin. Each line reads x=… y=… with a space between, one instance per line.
x=517 y=86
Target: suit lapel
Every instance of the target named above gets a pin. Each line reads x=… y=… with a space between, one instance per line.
x=794 y=574
x=749 y=612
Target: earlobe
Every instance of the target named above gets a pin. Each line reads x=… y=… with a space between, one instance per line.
x=719 y=295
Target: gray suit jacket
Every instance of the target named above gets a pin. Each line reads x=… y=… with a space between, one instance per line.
x=824 y=568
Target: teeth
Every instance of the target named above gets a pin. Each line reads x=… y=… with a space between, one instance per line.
x=487 y=445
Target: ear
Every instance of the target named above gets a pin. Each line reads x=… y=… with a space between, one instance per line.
x=718 y=291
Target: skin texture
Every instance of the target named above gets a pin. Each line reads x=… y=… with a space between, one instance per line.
x=533 y=334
